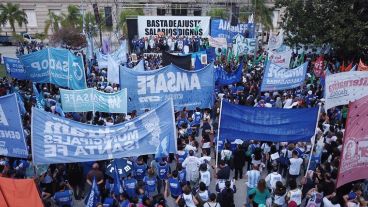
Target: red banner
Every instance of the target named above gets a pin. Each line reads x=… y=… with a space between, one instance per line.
x=318 y=66
x=362 y=66
x=354 y=161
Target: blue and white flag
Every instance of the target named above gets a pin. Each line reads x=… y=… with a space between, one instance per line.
x=225 y=78
x=117 y=182
x=54 y=65
x=278 y=78
x=222 y=28
x=119 y=56
x=12 y=142
x=14 y=68
x=91 y=99
x=267 y=124
x=40 y=101
x=112 y=70
x=243 y=46
x=94 y=195
x=148 y=89
x=60 y=140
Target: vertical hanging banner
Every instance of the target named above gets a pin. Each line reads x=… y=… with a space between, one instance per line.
x=173 y=25
x=189 y=89
x=91 y=99
x=12 y=141
x=354 y=159
x=278 y=78
x=14 y=68
x=112 y=70
x=60 y=140
x=318 y=66
x=280 y=58
x=243 y=46
x=275 y=41
x=222 y=29
x=342 y=88
x=54 y=65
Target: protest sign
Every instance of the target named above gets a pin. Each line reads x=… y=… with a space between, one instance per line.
x=243 y=46
x=223 y=77
x=12 y=141
x=187 y=88
x=318 y=66
x=173 y=25
x=59 y=140
x=278 y=78
x=341 y=88
x=266 y=124
x=91 y=99
x=55 y=65
x=221 y=28
x=14 y=68
x=354 y=155
x=280 y=58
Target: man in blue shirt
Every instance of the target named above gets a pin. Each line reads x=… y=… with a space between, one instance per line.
x=174 y=185
x=140 y=169
x=130 y=185
x=64 y=197
x=163 y=170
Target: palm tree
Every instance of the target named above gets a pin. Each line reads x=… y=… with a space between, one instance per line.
x=12 y=13
x=73 y=18
x=218 y=13
x=52 y=22
x=126 y=13
x=263 y=14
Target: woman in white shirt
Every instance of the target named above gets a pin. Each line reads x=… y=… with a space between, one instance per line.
x=294 y=194
x=187 y=196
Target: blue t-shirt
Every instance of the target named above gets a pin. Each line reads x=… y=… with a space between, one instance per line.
x=175 y=187
x=163 y=171
x=182 y=177
x=108 y=202
x=150 y=183
x=64 y=198
x=197 y=119
x=182 y=157
x=140 y=171
x=130 y=185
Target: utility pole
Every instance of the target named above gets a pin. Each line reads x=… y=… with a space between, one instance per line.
x=255 y=31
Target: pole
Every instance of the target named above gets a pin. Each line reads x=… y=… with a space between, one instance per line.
x=314 y=141
x=218 y=134
x=255 y=31
x=83 y=16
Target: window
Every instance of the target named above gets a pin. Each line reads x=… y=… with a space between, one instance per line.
x=31 y=17
x=179 y=9
x=161 y=12
x=197 y=12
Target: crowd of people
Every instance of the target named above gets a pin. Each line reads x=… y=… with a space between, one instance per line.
x=192 y=177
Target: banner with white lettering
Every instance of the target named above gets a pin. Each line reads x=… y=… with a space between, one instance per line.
x=173 y=25
x=60 y=140
x=222 y=28
x=12 y=142
x=189 y=89
x=280 y=58
x=14 y=68
x=55 y=65
x=91 y=99
x=277 y=78
x=342 y=88
x=242 y=45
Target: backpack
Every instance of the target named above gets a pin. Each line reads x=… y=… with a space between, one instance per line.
x=284 y=160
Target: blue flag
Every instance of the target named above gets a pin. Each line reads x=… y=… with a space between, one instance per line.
x=60 y=140
x=20 y=103
x=12 y=141
x=40 y=102
x=222 y=28
x=197 y=64
x=117 y=182
x=225 y=78
x=14 y=68
x=267 y=124
x=94 y=196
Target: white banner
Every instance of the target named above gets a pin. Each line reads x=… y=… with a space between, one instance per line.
x=341 y=88
x=173 y=25
x=280 y=58
x=112 y=70
x=243 y=46
x=275 y=41
x=217 y=42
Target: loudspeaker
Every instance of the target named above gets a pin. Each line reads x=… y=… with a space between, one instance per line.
x=108 y=17
x=97 y=15
x=234 y=15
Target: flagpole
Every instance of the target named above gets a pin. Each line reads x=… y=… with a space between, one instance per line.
x=314 y=141
x=218 y=134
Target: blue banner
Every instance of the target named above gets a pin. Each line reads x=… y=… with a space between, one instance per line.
x=91 y=99
x=60 y=140
x=57 y=66
x=222 y=28
x=14 y=68
x=189 y=89
x=267 y=124
x=278 y=78
x=12 y=142
x=227 y=78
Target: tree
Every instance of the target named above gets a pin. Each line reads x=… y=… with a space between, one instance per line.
x=218 y=13
x=342 y=24
x=73 y=18
x=12 y=13
x=52 y=22
x=263 y=14
x=128 y=13
x=68 y=37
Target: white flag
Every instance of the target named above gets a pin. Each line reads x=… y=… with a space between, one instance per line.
x=112 y=70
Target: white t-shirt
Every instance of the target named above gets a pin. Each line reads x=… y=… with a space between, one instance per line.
x=189 y=200
x=272 y=178
x=205 y=177
x=295 y=164
x=328 y=203
x=296 y=196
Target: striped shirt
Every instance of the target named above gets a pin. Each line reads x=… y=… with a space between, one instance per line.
x=253 y=178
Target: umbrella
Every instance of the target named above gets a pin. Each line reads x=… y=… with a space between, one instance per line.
x=124 y=167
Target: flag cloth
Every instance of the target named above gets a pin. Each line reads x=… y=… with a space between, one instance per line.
x=117 y=182
x=112 y=70
x=197 y=64
x=318 y=66
x=40 y=102
x=362 y=66
x=19 y=192
x=94 y=195
x=347 y=68
x=354 y=165
x=22 y=109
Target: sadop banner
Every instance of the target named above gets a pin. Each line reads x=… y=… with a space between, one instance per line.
x=60 y=140
x=278 y=78
x=119 y=56
x=222 y=28
x=267 y=124
x=148 y=89
x=353 y=165
x=341 y=88
x=54 y=65
x=223 y=77
x=173 y=25
x=93 y=100
x=280 y=58
x=242 y=45
x=15 y=68
x=12 y=142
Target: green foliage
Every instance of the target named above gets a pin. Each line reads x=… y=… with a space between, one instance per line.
x=41 y=36
x=263 y=14
x=218 y=13
x=342 y=24
x=124 y=14
x=52 y=22
x=13 y=14
x=72 y=18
